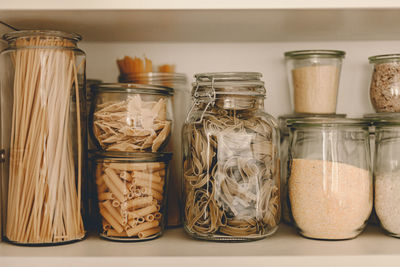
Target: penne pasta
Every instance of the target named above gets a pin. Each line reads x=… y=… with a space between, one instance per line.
x=143 y=212
x=149 y=232
x=109 y=218
x=142 y=227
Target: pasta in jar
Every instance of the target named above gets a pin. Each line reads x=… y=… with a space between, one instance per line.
x=130 y=193
x=231 y=163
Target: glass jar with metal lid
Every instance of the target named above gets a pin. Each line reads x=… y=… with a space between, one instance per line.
x=284 y=153
x=385 y=83
x=314 y=80
x=330 y=178
x=130 y=117
x=387 y=171
x=131 y=194
x=230 y=160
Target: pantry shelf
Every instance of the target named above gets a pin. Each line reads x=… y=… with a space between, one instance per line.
x=265 y=24
x=176 y=248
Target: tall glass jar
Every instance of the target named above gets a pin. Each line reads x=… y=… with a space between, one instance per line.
x=131 y=194
x=44 y=137
x=384 y=88
x=330 y=179
x=180 y=104
x=387 y=172
x=314 y=77
x=230 y=160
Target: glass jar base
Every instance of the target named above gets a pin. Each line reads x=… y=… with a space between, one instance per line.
x=350 y=237
x=44 y=244
x=230 y=239
x=129 y=239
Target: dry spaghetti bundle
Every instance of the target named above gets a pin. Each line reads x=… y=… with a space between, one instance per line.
x=44 y=194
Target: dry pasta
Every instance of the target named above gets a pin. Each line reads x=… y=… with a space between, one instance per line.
x=137 y=216
x=230 y=176
x=44 y=196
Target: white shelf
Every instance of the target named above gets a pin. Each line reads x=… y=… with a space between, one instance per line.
x=175 y=247
x=214 y=25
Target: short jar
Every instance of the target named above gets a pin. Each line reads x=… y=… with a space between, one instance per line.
x=131 y=194
x=387 y=172
x=385 y=83
x=130 y=117
x=314 y=80
x=330 y=178
x=230 y=160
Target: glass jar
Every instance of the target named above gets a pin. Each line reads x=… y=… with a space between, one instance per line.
x=43 y=136
x=131 y=194
x=230 y=160
x=385 y=83
x=314 y=80
x=387 y=172
x=130 y=117
x=284 y=153
x=180 y=103
x=329 y=177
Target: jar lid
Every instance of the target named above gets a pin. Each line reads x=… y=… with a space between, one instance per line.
x=321 y=53
x=131 y=157
x=157 y=78
x=327 y=122
x=132 y=88
x=228 y=83
x=283 y=119
x=384 y=58
x=383 y=118
x=45 y=33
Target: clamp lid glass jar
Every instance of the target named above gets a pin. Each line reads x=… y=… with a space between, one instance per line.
x=314 y=80
x=231 y=160
x=387 y=171
x=330 y=181
x=385 y=83
x=131 y=194
x=130 y=117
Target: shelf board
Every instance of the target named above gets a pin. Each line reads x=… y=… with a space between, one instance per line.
x=214 y=25
x=175 y=247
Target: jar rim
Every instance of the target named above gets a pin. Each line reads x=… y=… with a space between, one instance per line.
x=132 y=88
x=157 y=76
x=383 y=118
x=384 y=58
x=327 y=122
x=321 y=53
x=131 y=156
x=10 y=36
x=228 y=76
x=304 y=115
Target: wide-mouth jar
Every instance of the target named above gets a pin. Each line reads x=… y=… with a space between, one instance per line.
x=314 y=77
x=130 y=117
x=329 y=177
x=131 y=194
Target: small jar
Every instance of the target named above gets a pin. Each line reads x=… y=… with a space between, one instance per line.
x=43 y=136
x=130 y=117
x=284 y=153
x=385 y=83
x=314 y=80
x=330 y=179
x=131 y=194
x=230 y=160
x=180 y=103
x=387 y=172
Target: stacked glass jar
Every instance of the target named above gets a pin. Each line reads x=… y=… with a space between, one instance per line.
x=327 y=176
x=385 y=99
x=230 y=160
x=131 y=124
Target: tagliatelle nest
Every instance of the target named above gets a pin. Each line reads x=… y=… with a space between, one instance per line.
x=132 y=125
x=231 y=176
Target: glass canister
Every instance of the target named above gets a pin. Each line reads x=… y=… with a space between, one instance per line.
x=180 y=104
x=387 y=172
x=230 y=160
x=314 y=80
x=44 y=137
x=385 y=83
x=131 y=194
x=130 y=117
x=330 y=179
x=284 y=157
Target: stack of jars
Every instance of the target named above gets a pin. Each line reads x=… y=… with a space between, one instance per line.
x=230 y=160
x=130 y=124
x=385 y=131
x=326 y=169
